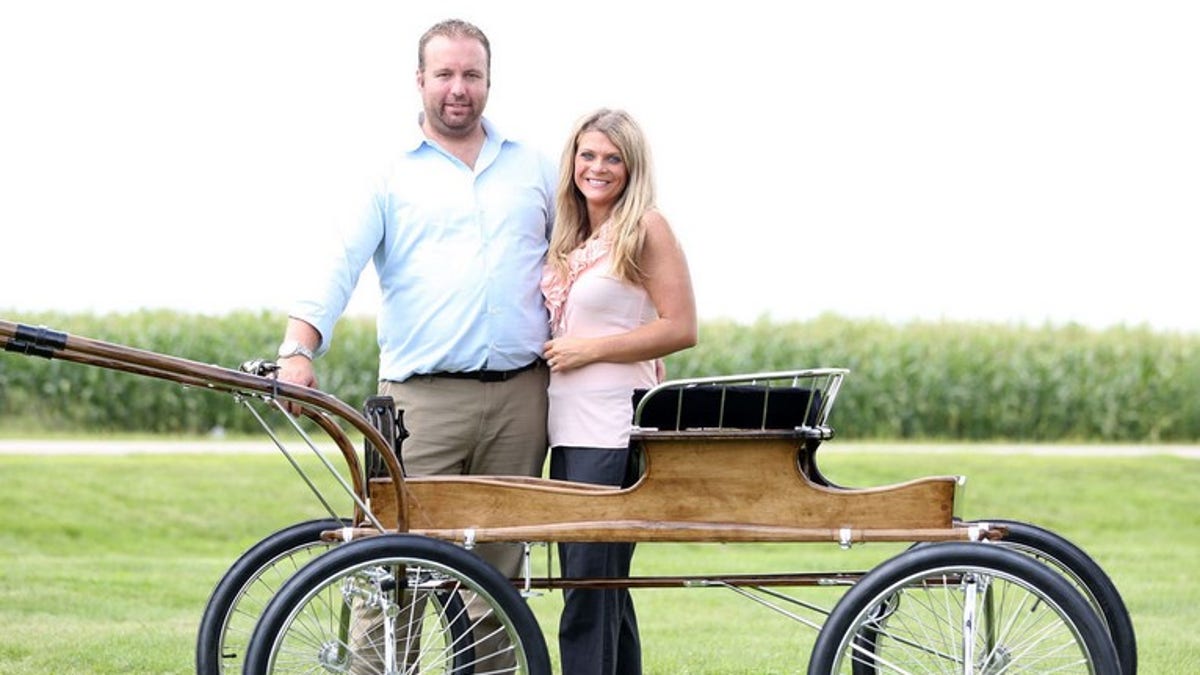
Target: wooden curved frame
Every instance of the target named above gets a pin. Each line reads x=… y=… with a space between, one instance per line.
x=315 y=405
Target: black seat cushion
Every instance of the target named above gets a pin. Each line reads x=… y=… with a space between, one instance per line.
x=729 y=407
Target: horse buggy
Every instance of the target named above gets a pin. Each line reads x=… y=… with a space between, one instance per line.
x=390 y=583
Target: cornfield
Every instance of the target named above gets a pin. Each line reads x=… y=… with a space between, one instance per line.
x=949 y=381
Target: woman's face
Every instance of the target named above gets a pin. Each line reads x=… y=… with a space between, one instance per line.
x=600 y=171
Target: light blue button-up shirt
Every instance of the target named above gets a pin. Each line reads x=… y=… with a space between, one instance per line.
x=459 y=255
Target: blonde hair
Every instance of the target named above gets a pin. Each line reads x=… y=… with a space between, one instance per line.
x=571 y=226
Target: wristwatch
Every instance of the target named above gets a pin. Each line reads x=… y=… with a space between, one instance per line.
x=294 y=348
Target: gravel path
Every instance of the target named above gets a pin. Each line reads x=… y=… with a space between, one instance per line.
x=85 y=447
x=131 y=447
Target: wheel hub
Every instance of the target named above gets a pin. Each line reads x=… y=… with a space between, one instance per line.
x=333 y=657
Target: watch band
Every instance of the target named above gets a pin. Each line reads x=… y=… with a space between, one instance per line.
x=294 y=348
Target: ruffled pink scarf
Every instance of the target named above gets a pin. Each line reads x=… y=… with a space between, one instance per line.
x=556 y=288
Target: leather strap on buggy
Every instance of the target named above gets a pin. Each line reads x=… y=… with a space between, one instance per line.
x=36 y=341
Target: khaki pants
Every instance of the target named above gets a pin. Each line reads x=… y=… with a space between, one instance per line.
x=466 y=427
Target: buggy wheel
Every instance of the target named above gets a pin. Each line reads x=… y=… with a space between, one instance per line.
x=962 y=607
x=240 y=596
x=1087 y=576
x=398 y=603
x=1073 y=563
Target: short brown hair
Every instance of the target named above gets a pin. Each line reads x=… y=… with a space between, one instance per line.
x=454 y=28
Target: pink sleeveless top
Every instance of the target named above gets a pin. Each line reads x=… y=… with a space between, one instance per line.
x=591 y=406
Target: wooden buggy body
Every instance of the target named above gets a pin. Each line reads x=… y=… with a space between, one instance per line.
x=711 y=476
x=713 y=484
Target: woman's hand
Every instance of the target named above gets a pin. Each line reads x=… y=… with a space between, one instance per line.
x=567 y=353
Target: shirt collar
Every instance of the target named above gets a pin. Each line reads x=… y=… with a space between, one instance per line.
x=415 y=137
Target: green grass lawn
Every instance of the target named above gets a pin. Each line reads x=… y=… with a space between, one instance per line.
x=106 y=561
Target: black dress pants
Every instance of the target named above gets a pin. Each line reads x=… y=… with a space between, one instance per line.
x=597 y=633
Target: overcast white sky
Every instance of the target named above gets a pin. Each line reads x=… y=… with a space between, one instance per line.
x=1017 y=161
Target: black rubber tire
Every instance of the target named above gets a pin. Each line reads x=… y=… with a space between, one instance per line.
x=885 y=590
x=266 y=565
x=297 y=622
x=1075 y=564
x=1081 y=569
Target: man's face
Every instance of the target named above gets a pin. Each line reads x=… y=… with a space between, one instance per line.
x=454 y=85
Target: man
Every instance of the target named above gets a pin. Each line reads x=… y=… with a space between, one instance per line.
x=457 y=229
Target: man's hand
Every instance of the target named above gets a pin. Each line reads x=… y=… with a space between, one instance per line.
x=296 y=370
x=295 y=357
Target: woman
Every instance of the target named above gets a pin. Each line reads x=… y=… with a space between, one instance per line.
x=620 y=298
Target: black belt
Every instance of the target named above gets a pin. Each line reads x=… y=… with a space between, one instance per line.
x=486 y=375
